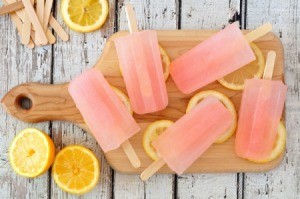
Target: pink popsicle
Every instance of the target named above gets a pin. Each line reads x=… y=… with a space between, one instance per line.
x=142 y=71
x=221 y=54
x=187 y=139
x=107 y=117
x=259 y=116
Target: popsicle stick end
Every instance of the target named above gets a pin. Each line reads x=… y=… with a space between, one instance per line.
x=270 y=63
x=30 y=45
x=131 y=154
x=152 y=169
x=133 y=27
x=258 y=32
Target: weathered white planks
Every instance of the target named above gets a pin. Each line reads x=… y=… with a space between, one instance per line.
x=154 y=14
x=19 y=64
x=69 y=60
x=207 y=14
x=282 y=182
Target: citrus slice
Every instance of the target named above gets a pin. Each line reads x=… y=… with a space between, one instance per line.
x=123 y=97
x=235 y=80
x=84 y=15
x=31 y=152
x=76 y=169
x=227 y=103
x=279 y=145
x=151 y=133
x=165 y=62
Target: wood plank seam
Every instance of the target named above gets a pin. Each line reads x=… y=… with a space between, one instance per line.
x=51 y=82
x=241 y=176
x=178 y=18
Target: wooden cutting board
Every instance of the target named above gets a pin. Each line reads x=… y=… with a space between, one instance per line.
x=53 y=102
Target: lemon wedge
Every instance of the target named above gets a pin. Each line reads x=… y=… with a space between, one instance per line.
x=123 y=97
x=84 y=15
x=31 y=152
x=279 y=145
x=236 y=80
x=165 y=62
x=151 y=133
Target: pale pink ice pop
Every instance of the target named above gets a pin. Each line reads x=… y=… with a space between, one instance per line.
x=142 y=70
x=188 y=138
x=259 y=116
x=219 y=55
x=107 y=117
x=260 y=113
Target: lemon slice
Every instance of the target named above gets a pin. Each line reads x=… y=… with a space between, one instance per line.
x=151 y=133
x=123 y=97
x=165 y=62
x=279 y=145
x=235 y=80
x=31 y=152
x=84 y=15
x=76 y=169
x=227 y=103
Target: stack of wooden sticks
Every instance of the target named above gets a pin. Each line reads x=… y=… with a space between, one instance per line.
x=32 y=19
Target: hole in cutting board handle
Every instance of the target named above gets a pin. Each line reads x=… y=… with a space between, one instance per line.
x=23 y=103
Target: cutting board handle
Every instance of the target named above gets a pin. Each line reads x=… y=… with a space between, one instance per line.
x=35 y=102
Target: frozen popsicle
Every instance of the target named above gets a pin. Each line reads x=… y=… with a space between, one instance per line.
x=188 y=138
x=141 y=67
x=260 y=113
x=106 y=116
x=219 y=55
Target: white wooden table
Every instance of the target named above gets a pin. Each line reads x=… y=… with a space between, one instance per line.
x=64 y=60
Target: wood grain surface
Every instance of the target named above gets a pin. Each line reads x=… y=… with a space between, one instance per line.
x=63 y=61
x=52 y=102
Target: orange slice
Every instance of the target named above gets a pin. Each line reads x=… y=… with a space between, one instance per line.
x=76 y=169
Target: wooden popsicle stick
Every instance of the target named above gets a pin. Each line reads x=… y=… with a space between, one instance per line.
x=20 y=13
x=26 y=28
x=131 y=18
x=18 y=23
x=35 y=22
x=131 y=154
x=270 y=64
x=47 y=12
x=40 y=6
x=152 y=169
x=58 y=29
x=258 y=32
x=54 y=24
x=13 y=7
x=50 y=36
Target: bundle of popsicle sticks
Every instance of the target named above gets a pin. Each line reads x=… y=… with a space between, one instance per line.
x=32 y=19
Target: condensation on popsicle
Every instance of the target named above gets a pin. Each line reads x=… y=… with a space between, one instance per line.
x=141 y=66
x=107 y=117
x=219 y=55
x=188 y=138
x=259 y=116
